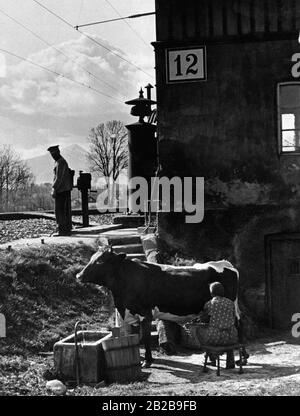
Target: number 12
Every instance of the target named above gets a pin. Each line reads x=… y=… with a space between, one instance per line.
x=190 y=57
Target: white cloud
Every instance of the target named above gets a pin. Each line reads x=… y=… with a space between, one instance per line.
x=30 y=90
x=2 y=66
x=39 y=108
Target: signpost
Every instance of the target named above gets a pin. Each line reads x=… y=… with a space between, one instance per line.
x=186 y=64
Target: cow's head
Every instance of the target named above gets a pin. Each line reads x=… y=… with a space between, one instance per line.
x=101 y=268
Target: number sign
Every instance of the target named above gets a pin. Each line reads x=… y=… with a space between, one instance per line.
x=186 y=65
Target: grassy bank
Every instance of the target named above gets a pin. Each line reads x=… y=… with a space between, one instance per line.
x=41 y=298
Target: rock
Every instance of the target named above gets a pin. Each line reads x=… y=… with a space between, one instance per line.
x=56 y=387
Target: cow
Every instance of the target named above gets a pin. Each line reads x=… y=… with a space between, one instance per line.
x=142 y=287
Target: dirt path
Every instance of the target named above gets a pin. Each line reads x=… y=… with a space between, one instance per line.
x=273 y=369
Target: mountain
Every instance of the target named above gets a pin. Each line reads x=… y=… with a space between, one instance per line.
x=42 y=166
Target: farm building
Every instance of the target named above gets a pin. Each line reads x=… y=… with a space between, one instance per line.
x=228 y=108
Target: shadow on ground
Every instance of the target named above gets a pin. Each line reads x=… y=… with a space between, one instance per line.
x=269 y=359
x=193 y=373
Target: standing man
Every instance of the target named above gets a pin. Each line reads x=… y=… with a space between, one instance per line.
x=62 y=186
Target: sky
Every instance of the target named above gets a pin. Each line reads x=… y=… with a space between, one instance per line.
x=42 y=107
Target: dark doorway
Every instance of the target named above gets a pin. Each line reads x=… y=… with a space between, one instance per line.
x=283 y=278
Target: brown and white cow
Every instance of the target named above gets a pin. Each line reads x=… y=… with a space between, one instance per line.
x=141 y=287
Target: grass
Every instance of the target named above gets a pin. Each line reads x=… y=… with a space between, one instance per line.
x=42 y=300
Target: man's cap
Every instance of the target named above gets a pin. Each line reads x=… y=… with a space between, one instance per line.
x=53 y=148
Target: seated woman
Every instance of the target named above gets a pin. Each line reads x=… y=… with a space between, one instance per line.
x=218 y=322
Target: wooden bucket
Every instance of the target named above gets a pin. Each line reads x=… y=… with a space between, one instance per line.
x=122 y=357
x=188 y=338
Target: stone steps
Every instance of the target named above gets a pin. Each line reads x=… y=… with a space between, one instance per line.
x=138 y=256
x=117 y=240
x=96 y=229
x=126 y=241
x=128 y=248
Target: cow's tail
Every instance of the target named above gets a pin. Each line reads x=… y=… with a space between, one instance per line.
x=236 y=302
x=229 y=266
x=237 y=309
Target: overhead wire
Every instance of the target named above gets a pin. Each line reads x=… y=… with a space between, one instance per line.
x=129 y=25
x=58 y=50
x=59 y=74
x=91 y=38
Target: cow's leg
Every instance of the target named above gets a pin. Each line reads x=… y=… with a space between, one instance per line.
x=146 y=328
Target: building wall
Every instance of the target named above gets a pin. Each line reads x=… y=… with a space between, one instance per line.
x=177 y=19
x=226 y=130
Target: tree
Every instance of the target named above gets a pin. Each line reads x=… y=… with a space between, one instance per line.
x=108 y=152
x=15 y=175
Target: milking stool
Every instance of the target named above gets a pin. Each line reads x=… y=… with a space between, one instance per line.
x=217 y=351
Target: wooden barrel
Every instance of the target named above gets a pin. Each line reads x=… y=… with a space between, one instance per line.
x=122 y=357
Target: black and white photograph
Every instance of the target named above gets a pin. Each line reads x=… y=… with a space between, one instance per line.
x=149 y=202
